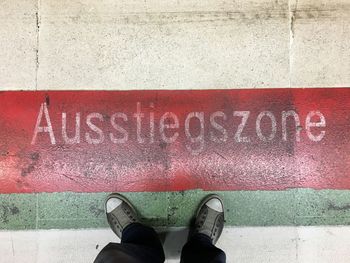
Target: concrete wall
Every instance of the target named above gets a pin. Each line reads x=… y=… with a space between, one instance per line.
x=193 y=44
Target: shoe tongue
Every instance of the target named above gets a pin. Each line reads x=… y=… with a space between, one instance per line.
x=215 y=204
x=112 y=204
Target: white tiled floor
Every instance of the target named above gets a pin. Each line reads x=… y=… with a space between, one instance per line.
x=258 y=244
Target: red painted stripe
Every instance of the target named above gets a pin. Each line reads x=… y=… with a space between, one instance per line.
x=219 y=160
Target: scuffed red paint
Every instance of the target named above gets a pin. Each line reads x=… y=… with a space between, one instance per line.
x=158 y=166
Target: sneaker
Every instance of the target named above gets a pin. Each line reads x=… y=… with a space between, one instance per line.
x=210 y=218
x=120 y=213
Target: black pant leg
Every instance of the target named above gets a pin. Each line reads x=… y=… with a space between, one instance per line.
x=199 y=249
x=146 y=238
x=139 y=244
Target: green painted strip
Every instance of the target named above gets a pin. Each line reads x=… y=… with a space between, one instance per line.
x=243 y=208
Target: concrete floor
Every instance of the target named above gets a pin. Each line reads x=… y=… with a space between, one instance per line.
x=248 y=244
x=140 y=45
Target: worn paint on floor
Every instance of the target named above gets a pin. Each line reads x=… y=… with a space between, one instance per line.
x=242 y=208
x=271 y=139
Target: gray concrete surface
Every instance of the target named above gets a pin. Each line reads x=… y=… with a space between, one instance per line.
x=47 y=44
x=243 y=245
